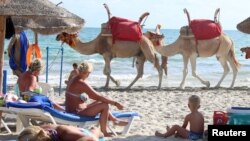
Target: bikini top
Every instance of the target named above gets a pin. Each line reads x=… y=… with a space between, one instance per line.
x=38 y=89
x=83 y=97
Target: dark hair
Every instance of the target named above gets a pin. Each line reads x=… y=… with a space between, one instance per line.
x=75 y=65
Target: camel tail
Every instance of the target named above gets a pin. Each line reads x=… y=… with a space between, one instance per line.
x=164 y=63
x=232 y=54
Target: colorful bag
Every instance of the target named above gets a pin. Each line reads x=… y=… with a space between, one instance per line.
x=220 y=118
x=205 y=29
x=124 y=29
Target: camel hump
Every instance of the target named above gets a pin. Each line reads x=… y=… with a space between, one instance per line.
x=125 y=29
x=204 y=29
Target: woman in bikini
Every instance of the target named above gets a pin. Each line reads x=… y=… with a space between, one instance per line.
x=27 y=82
x=76 y=101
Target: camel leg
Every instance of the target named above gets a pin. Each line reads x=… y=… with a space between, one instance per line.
x=185 y=71
x=117 y=82
x=235 y=71
x=139 y=66
x=160 y=69
x=164 y=64
x=224 y=64
x=193 y=65
x=107 y=70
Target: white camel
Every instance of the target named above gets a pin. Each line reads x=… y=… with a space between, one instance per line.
x=190 y=48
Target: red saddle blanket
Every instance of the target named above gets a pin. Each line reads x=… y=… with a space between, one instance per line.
x=205 y=29
x=124 y=29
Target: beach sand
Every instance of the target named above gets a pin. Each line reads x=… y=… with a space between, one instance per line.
x=168 y=106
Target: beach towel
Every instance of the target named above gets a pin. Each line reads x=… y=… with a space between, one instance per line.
x=124 y=29
x=42 y=99
x=23 y=50
x=205 y=29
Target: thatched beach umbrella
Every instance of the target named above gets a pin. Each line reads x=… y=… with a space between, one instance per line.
x=244 y=26
x=41 y=12
x=50 y=26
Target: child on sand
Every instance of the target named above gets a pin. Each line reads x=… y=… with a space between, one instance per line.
x=195 y=120
x=73 y=73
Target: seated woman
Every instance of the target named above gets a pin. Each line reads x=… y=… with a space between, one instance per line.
x=75 y=99
x=27 y=81
x=59 y=133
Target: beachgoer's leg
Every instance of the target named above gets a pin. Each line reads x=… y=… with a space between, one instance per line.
x=57 y=106
x=103 y=109
x=115 y=120
x=182 y=132
x=93 y=103
x=158 y=134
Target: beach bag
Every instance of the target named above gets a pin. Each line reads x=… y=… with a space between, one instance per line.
x=205 y=29
x=220 y=118
x=124 y=29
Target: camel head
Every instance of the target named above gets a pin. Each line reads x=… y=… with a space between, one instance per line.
x=245 y=49
x=155 y=37
x=67 y=38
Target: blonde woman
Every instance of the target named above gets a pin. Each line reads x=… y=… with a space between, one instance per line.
x=76 y=101
x=27 y=81
x=59 y=133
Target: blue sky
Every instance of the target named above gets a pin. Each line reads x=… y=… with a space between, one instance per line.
x=168 y=13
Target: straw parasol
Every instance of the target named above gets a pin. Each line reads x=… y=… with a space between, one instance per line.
x=244 y=26
x=51 y=26
x=39 y=12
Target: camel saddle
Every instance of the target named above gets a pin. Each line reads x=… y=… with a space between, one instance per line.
x=204 y=29
x=124 y=29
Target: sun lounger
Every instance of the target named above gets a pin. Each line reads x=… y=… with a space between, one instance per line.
x=5 y=110
x=47 y=90
x=41 y=112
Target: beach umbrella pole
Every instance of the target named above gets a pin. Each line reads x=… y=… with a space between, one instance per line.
x=2 y=37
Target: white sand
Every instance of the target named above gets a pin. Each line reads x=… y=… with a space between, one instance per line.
x=169 y=106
